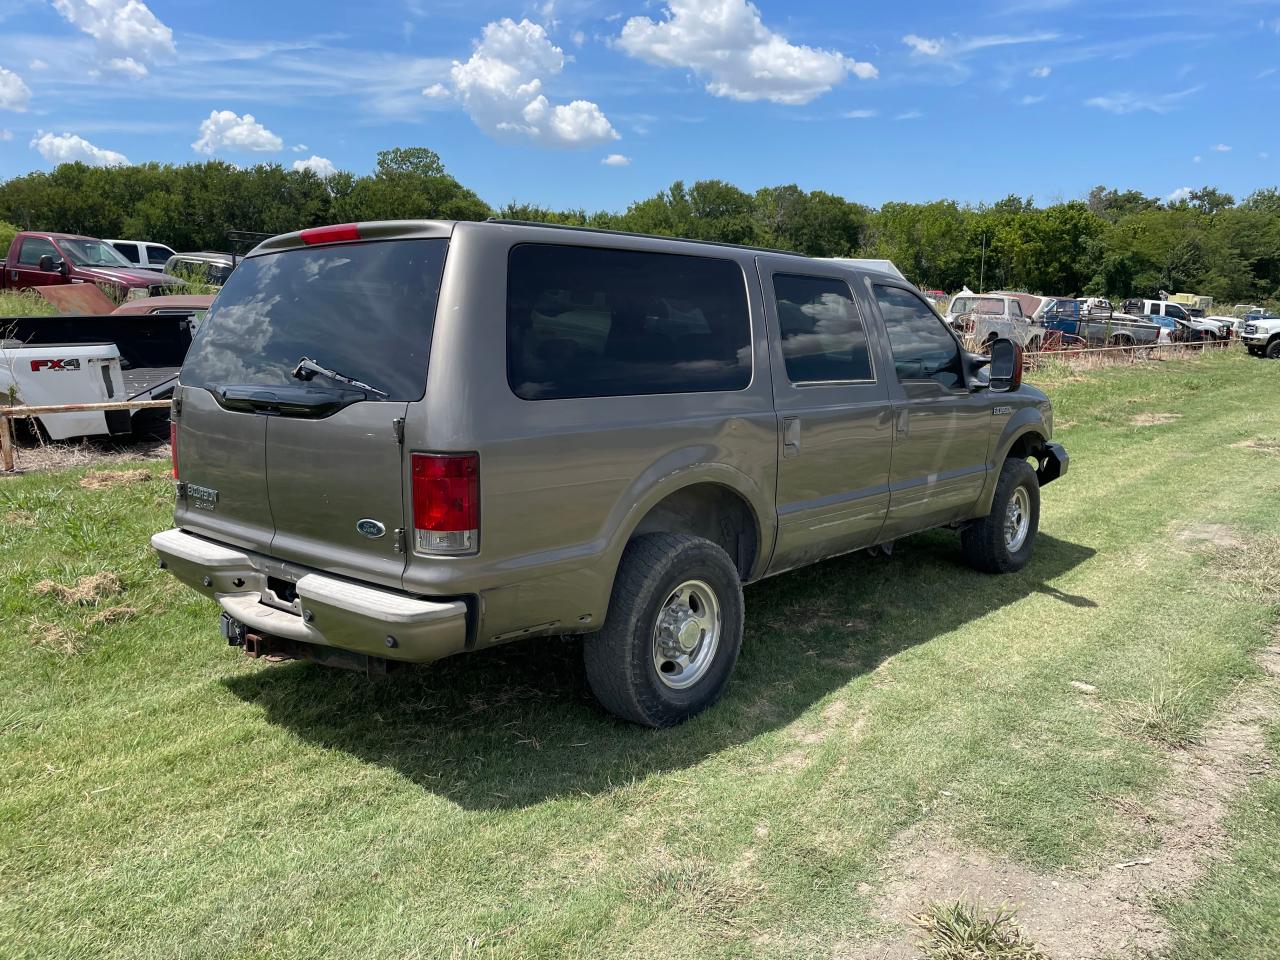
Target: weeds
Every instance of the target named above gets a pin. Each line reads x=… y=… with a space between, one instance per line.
x=1168 y=715
x=966 y=931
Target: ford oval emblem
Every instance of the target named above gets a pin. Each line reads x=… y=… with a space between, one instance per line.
x=370 y=528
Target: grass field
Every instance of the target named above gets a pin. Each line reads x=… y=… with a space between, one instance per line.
x=164 y=797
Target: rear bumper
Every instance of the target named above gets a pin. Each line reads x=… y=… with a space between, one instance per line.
x=327 y=612
x=1054 y=461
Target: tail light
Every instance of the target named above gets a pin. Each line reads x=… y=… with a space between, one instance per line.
x=446 y=503
x=339 y=233
x=173 y=447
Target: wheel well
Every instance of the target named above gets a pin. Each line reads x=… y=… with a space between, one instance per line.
x=1026 y=446
x=713 y=512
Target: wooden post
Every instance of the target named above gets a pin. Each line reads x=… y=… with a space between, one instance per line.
x=6 y=442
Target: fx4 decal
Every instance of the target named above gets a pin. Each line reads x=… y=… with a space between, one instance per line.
x=38 y=365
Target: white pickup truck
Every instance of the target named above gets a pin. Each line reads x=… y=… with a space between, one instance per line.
x=65 y=373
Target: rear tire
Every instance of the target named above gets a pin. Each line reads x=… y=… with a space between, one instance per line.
x=1001 y=542
x=672 y=634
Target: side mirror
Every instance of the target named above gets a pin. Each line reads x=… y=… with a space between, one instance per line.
x=47 y=263
x=1006 y=366
x=64 y=268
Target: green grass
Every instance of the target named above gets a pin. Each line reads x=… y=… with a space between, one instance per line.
x=23 y=303
x=164 y=797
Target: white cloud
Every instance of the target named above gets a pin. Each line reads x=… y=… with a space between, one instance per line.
x=68 y=148
x=616 y=160
x=959 y=46
x=501 y=87
x=1221 y=148
x=726 y=42
x=320 y=166
x=224 y=130
x=859 y=114
x=299 y=148
x=7 y=135
x=1030 y=100
x=1128 y=102
x=1196 y=159
x=437 y=91
x=578 y=38
x=909 y=115
x=1041 y=72
x=14 y=94
x=37 y=64
x=923 y=45
x=1182 y=193
x=127 y=33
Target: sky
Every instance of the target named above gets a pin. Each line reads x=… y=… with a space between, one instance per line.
x=597 y=103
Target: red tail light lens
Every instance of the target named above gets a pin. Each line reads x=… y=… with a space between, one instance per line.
x=173 y=448
x=340 y=233
x=446 y=503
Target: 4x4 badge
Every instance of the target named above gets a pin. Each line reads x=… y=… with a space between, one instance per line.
x=370 y=528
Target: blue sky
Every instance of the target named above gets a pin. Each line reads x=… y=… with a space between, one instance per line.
x=595 y=103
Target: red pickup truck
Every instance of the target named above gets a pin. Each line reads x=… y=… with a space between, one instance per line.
x=40 y=259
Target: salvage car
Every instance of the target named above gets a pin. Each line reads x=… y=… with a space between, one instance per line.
x=399 y=441
x=983 y=318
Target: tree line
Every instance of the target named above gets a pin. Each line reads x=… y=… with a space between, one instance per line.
x=1112 y=243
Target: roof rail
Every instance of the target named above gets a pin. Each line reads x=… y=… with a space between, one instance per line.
x=643 y=236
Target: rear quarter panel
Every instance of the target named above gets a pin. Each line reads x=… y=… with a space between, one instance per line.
x=564 y=482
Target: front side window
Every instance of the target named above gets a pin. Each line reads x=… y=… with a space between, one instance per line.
x=823 y=338
x=33 y=248
x=922 y=347
x=590 y=322
x=1015 y=309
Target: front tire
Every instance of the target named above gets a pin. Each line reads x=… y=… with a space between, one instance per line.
x=1001 y=542
x=1273 y=349
x=673 y=632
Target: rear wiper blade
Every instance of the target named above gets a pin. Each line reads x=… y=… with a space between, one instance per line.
x=308 y=368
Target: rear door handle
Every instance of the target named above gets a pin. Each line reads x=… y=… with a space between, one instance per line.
x=791 y=437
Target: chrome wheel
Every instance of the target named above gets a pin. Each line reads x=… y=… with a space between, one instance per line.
x=1017 y=520
x=686 y=635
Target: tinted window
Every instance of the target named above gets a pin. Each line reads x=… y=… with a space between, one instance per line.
x=128 y=250
x=364 y=310
x=33 y=248
x=587 y=322
x=922 y=347
x=823 y=338
x=158 y=255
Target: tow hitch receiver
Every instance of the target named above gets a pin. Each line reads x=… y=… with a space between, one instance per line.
x=257 y=646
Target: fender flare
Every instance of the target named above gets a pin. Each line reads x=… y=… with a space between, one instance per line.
x=1024 y=422
x=679 y=470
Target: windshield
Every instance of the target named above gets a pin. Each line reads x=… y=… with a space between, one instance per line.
x=985 y=306
x=92 y=253
x=365 y=310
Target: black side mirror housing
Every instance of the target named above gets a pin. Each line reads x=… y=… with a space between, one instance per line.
x=1006 y=365
x=47 y=263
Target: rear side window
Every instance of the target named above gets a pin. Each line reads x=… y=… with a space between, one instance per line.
x=590 y=322
x=922 y=347
x=823 y=338
x=33 y=248
x=128 y=250
x=364 y=310
x=158 y=256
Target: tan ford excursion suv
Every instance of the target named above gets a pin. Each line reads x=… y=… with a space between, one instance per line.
x=400 y=441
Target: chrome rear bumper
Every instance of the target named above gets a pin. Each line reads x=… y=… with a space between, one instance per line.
x=328 y=611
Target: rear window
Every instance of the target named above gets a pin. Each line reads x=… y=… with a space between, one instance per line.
x=363 y=310
x=589 y=322
x=985 y=306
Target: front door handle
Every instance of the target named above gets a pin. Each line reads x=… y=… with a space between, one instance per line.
x=903 y=424
x=791 y=437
